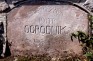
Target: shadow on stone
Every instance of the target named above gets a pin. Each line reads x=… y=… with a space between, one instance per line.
x=1 y=45
x=35 y=1
x=19 y=3
x=8 y=52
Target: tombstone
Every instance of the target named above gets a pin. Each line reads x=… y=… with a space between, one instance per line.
x=45 y=29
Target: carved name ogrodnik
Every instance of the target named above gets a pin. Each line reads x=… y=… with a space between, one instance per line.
x=36 y=29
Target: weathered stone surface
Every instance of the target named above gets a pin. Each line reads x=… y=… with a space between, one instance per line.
x=45 y=29
x=3 y=6
x=89 y=5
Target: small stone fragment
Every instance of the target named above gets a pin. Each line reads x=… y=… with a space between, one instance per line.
x=3 y=6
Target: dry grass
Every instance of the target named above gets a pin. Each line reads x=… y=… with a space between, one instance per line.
x=44 y=58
